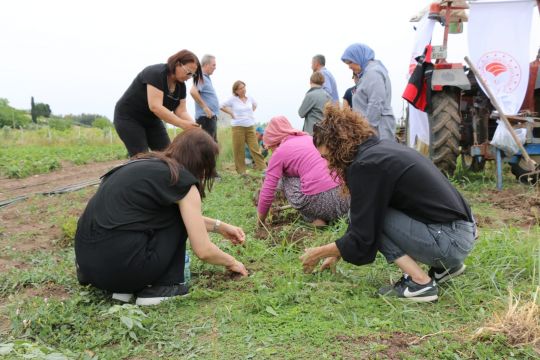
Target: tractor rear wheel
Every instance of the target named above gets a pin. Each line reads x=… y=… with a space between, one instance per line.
x=444 y=125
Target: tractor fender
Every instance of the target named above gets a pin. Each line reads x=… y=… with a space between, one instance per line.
x=449 y=77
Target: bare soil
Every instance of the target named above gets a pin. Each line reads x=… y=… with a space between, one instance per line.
x=388 y=346
x=7 y=264
x=34 y=222
x=5 y=324
x=69 y=174
x=517 y=206
x=279 y=223
x=48 y=291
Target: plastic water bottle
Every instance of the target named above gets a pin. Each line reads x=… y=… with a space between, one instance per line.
x=187 y=271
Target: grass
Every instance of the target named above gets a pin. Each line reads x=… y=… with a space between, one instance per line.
x=29 y=152
x=278 y=312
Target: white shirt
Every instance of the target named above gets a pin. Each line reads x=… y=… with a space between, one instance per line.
x=243 y=111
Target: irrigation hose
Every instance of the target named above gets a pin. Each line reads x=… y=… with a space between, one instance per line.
x=58 y=191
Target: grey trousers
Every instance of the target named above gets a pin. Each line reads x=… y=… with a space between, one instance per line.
x=438 y=245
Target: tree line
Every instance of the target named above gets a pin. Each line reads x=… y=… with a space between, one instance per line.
x=40 y=114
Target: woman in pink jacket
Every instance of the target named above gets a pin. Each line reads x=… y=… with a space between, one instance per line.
x=306 y=180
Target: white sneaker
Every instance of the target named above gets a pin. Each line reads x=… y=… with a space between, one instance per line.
x=123 y=297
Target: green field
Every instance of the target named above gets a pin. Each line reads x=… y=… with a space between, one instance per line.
x=29 y=152
x=278 y=312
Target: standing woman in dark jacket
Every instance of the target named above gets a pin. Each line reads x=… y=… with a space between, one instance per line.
x=157 y=93
x=401 y=205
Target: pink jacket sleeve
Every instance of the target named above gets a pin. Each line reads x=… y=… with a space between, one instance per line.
x=274 y=172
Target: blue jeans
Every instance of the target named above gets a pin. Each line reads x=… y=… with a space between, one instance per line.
x=438 y=245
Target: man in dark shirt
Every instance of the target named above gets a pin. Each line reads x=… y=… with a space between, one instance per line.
x=401 y=205
x=347 y=97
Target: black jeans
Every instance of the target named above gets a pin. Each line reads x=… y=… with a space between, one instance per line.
x=138 y=137
x=209 y=125
x=128 y=261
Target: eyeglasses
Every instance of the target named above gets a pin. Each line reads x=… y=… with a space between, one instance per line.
x=188 y=72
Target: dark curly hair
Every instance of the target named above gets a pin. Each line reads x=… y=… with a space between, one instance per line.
x=341 y=131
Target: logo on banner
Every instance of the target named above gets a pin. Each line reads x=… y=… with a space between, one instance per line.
x=500 y=70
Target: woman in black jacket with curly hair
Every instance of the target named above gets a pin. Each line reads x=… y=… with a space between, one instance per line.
x=401 y=205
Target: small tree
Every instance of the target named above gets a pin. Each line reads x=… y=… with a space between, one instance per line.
x=60 y=124
x=39 y=109
x=42 y=109
x=12 y=117
x=85 y=119
x=33 y=110
x=102 y=123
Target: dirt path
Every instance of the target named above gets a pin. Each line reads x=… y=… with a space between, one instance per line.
x=69 y=174
x=34 y=223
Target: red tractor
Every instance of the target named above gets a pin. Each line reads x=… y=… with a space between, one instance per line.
x=462 y=120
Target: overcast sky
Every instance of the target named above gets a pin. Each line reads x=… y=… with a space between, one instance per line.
x=79 y=57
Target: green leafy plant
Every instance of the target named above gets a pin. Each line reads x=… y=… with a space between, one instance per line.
x=21 y=349
x=69 y=228
x=102 y=123
x=130 y=316
x=60 y=124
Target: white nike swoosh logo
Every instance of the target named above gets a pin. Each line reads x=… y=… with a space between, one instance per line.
x=408 y=293
x=439 y=276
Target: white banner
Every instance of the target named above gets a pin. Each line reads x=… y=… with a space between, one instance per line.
x=418 y=131
x=499 y=34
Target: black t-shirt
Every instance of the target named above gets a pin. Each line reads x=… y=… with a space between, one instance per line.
x=387 y=174
x=349 y=94
x=136 y=197
x=133 y=105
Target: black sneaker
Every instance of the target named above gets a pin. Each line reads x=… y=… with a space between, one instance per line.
x=407 y=289
x=441 y=275
x=153 y=295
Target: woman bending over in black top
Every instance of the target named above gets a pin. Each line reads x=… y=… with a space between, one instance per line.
x=401 y=205
x=131 y=238
x=157 y=93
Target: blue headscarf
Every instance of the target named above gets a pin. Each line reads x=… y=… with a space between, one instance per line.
x=359 y=54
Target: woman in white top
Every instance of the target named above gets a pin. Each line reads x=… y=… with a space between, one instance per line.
x=241 y=108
